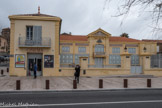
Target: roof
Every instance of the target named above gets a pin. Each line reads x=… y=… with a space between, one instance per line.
x=85 y=38
x=36 y=14
x=147 y=40
x=122 y=39
x=2 y=37
x=6 y=28
x=74 y=37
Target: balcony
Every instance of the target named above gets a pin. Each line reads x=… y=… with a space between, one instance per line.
x=99 y=54
x=45 y=42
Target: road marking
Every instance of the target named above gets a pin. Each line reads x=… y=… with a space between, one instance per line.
x=92 y=103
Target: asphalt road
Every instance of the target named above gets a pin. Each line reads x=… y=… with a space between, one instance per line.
x=84 y=99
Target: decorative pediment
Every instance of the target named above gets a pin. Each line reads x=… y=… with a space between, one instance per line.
x=99 y=33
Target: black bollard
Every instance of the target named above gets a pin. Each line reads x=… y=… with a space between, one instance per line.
x=148 y=82
x=1 y=72
x=47 y=84
x=74 y=84
x=100 y=83
x=7 y=69
x=17 y=84
x=125 y=83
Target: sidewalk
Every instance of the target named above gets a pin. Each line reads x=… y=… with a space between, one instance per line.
x=66 y=83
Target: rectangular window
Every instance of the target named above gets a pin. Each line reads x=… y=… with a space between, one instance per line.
x=132 y=50
x=134 y=60
x=34 y=35
x=114 y=59
x=80 y=55
x=156 y=61
x=99 y=48
x=29 y=32
x=82 y=49
x=65 y=49
x=116 y=50
x=66 y=58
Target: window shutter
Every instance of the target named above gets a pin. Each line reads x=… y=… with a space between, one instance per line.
x=37 y=31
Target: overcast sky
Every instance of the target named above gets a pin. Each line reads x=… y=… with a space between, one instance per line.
x=80 y=17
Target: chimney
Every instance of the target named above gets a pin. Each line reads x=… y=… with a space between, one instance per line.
x=38 y=9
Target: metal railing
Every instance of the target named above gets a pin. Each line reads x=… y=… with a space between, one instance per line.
x=98 y=54
x=44 y=42
x=104 y=66
x=67 y=65
x=91 y=66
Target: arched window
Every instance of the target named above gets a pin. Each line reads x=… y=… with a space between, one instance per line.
x=99 y=48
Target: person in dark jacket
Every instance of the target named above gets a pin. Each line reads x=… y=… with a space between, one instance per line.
x=77 y=73
x=35 y=70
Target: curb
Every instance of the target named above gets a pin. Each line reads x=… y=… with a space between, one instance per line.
x=90 y=90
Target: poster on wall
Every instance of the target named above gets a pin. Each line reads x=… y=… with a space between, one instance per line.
x=19 y=60
x=48 y=61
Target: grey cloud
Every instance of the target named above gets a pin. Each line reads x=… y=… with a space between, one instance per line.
x=79 y=16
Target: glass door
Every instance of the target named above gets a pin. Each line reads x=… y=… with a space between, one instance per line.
x=30 y=67
x=32 y=59
x=99 y=62
x=39 y=66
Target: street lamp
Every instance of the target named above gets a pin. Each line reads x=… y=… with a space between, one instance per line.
x=144 y=49
x=125 y=49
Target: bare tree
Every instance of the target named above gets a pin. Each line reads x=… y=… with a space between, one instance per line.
x=153 y=7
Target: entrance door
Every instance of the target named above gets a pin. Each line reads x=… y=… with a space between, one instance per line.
x=84 y=62
x=136 y=69
x=32 y=59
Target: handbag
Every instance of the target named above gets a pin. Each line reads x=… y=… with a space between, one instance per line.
x=74 y=73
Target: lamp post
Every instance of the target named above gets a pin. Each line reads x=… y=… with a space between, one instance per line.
x=125 y=49
x=144 y=49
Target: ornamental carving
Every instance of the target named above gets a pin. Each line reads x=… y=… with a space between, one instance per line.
x=99 y=41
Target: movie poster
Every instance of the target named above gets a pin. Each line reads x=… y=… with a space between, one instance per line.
x=48 y=61
x=19 y=60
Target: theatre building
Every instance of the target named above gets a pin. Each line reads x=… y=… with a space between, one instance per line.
x=35 y=38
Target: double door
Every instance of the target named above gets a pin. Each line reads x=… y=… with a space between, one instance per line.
x=99 y=62
x=34 y=59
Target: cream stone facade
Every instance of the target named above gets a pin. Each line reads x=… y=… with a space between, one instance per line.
x=35 y=38
x=115 y=55
x=3 y=45
x=34 y=35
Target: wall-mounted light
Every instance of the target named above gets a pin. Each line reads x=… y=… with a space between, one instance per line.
x=144 y=49
x=125 y=49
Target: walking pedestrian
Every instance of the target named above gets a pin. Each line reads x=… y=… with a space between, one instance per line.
x=35 y=70
x=77 y=73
